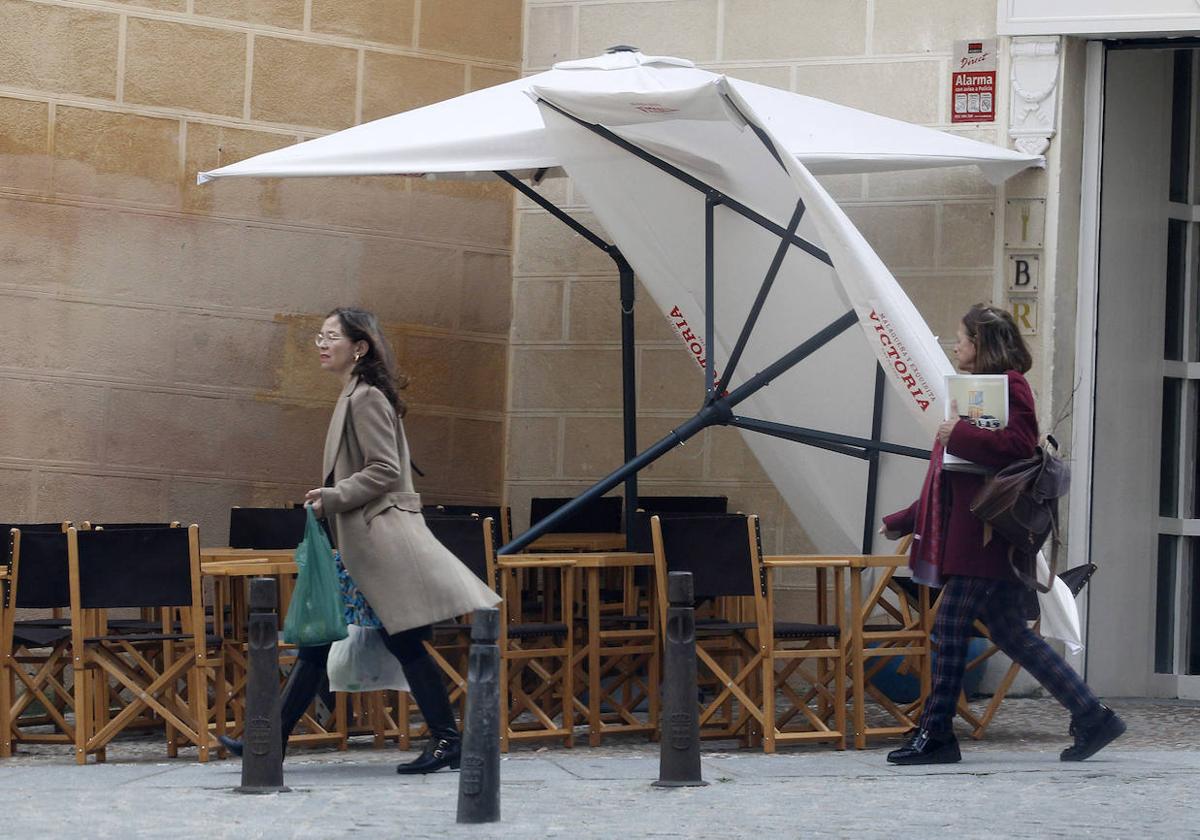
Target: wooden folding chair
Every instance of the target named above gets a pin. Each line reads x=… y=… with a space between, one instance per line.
x=164 y=672
x=715 y=549
x=786 y=679
x=890 y=619
x=536 y=657
x=35 y=653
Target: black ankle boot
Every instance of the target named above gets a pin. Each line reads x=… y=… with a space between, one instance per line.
x=438 y=753
x=298 y=693
x=926 y=747
x=1093 y=732
x=445 y=745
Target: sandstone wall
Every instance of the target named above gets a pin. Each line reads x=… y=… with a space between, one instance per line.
x=158 y=354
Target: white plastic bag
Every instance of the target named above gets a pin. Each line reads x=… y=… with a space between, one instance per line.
x=361 y=662
x=1060 y=614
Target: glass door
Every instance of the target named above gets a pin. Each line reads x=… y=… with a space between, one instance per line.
x=1177 y=611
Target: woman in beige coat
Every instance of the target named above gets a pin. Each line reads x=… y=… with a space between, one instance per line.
x=408 y=579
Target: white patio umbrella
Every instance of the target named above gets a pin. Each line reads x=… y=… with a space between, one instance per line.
x=755 y=148
x=499 y=128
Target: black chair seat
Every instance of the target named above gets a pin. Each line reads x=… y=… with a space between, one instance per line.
x=625 y=620
x=139 y=637
x=134 y=625
x=536 y=629
x=46 y=622
x=34 y=635
x=800 y=630
x=717 y=626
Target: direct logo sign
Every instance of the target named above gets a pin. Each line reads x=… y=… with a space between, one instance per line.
x=651 y=108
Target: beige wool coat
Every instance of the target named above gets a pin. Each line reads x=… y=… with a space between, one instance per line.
x=409 y=578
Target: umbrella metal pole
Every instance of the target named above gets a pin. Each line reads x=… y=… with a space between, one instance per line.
x=628 y=386
x=628 y=349
x=873 y=462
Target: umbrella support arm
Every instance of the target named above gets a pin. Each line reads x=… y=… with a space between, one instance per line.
x=713 y=414
x=628 y=299
x=856 y=447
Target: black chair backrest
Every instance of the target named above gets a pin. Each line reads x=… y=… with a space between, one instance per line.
x=1076 y=578
x=26 y=528
x=141 y=567
x=266 y=529
x=684 y=504
x=464 y=536
x=43 y=578
x=129 y=526
x=602 y=515
x=715 y=548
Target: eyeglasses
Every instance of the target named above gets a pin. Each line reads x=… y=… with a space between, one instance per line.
x=323 y=338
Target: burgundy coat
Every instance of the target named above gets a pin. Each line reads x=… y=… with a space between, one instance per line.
x=962 y=537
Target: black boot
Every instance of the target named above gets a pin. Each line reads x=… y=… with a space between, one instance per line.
x=1093 y=732
x=444 y=748
x=298 y=693
x=926 y=747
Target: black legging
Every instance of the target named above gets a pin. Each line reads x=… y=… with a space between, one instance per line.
x=408 y=646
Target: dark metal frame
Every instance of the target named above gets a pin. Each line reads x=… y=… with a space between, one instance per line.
x=717 y=409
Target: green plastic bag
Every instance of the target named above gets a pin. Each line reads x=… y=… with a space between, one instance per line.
x=315 y=615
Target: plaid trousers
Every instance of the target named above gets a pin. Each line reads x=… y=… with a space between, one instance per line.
x=998 y=604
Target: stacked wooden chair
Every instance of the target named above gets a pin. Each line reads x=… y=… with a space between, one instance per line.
x=165 y=672
x=747 y=659
x=36 y=703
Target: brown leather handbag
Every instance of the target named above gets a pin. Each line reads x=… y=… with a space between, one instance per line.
x=1020 y=503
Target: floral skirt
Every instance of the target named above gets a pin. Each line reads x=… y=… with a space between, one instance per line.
x=354 y=604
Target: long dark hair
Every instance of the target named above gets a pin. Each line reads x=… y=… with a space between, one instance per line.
x=999 y=346
x=378 y=365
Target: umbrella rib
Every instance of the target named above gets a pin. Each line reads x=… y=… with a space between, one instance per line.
x=697 y=184
x=549 y=206
x=760 y=300
x=861 y=446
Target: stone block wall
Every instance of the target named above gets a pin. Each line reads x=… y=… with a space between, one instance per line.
x=158 y=335
x=935 y=230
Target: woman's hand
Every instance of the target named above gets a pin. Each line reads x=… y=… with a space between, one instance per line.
x=313 y=497
x=944 y=431
x=891 y=535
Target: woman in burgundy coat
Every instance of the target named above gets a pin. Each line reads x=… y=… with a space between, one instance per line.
x=976 y=575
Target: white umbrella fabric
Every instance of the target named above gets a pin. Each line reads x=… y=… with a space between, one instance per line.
x=499 y=128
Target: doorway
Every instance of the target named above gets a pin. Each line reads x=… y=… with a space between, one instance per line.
x=1144 y=603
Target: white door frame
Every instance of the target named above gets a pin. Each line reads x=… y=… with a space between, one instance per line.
x=1079 y=551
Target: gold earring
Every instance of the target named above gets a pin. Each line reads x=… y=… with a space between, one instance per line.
x=357 y=356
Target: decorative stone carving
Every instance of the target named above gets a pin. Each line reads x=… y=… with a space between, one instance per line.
x=1034 y=93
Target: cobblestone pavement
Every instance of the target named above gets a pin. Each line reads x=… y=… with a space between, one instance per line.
x=1009 y=785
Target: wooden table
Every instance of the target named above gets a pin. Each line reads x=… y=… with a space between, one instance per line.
x=598 y=541
x=909 y=637
x=604 y=643
x=638 y=642
x=230 y=569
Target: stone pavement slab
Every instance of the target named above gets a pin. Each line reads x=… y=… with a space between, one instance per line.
x=1010 y=785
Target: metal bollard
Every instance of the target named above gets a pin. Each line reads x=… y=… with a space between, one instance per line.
x=262 y=756
x=479 y=780
x=679 y=751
